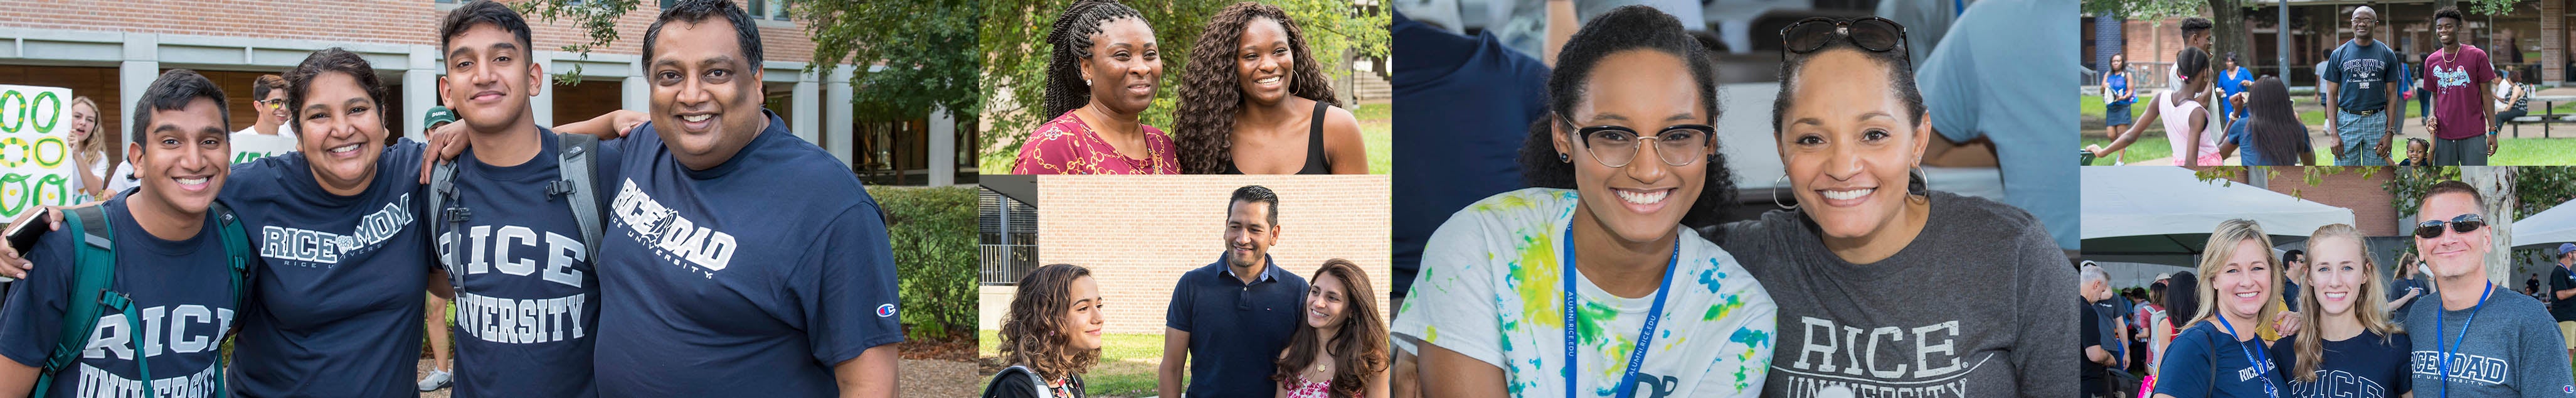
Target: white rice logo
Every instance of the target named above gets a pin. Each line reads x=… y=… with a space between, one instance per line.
x=675 y=238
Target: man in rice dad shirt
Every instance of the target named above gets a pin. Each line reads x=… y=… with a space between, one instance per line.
x=270 y=134
x=2483 y=340
x=1228 y=320
x=526 y=291
x=714 y=283
x=170 y=260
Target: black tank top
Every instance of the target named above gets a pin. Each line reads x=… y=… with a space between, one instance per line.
x=1314 y=146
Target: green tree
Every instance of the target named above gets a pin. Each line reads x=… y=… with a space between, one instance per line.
x=1015 y=55
x=925 y=47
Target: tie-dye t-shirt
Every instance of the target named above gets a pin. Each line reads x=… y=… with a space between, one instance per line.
x=1490 y=289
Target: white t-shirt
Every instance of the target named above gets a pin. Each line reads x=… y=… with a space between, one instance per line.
x=122 y=180
x=249 y=144
x=1490 y=289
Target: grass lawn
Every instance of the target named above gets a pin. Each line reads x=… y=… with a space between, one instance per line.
x=1377 y=131
x=2147 y=147
x=1126 y=369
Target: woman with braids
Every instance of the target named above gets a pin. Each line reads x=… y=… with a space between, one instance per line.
x=1588 y=285
x=2270 y=133
x=2351 y=347
x=1101 y=74
x=1865 y=236
x=1340 y=350
x=1050 y=335
x=1254 y=101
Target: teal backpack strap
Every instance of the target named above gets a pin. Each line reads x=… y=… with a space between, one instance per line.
x=237 y=254
x=442 y=194
x=93 y=269
x=133 y=321
x=580 y=168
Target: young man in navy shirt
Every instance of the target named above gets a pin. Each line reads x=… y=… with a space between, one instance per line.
x=170 y=260
x=526 y=308
x=1234 y=315
x=716 y=281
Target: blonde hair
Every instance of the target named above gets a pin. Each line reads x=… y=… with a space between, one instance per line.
x=93 y=147
x=2213 y=260
x=2366 y=307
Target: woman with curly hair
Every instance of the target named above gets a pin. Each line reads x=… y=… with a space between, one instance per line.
x=1340 y=350
x=1589 y=284
x=1050 y=335
x=1865 y=234
x=1100 y=76
x=1254 y=101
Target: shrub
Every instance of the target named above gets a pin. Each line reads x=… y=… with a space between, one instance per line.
x=933 y=235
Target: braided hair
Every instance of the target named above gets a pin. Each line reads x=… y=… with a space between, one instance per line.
x=1071 y=36
x=1626 y=28
x=1210 y=91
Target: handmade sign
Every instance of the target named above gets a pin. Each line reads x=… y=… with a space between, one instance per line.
x=35 y=148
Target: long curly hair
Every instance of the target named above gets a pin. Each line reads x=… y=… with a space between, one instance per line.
x=1031 y=330
x=1203 y=128
x=1358 y=346
x=1627 y=28
x=1071 y=37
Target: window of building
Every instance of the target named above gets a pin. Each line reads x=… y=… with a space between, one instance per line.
x=1007 y=245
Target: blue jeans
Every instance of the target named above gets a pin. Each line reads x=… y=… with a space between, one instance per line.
x=2361 y=137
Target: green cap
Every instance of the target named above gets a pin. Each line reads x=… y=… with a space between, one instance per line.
x=436 y=115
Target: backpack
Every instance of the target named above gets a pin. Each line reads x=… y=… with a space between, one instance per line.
x=1024 y=373
x=578 y=167
x=94 y=267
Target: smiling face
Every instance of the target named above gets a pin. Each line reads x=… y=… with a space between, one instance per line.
x=1124 y=67
x=274 y=109
x=706 y=92
x=1643 y=200
x=84 y=121
x=1083 y=320
x=2244 y=283
x=490 y=79
x=2447 y=30
x=1263 y=60
x=1248 y=233
x=340 y=131
x=1848 y=146
x=2337 y=273
x=1325 y=300
x=2453 y=254
x=181 y=160
x=2363 y=20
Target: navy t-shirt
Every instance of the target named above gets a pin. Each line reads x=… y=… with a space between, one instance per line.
x=2364 y=366
x=1472 y=97
x=180 y=288
x=2364 y=73
x=2187 y=373
x=335 y=306
x=1236 y=330
x=2562 y=310
x=749 y=279
x=527 y=308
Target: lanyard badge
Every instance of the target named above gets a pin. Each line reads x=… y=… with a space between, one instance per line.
x=1637 y=354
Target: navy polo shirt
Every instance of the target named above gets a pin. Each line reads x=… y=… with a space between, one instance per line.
x=1236 y=329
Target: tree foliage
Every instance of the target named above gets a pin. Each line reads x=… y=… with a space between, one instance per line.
x=926 y=47
x=1015 y=55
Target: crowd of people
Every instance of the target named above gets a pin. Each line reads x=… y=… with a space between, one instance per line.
x=2464 y=99
x=2329 y=321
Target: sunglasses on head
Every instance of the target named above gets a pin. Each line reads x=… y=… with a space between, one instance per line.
x=2465 y=223
x=1869 y=33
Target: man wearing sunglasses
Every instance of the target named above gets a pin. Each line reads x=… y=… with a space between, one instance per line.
x=268 y=134
x=2483 y=341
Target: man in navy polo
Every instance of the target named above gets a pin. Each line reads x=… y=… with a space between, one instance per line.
x=1236 y=314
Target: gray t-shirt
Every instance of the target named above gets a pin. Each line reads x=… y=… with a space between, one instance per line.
x=1974 y=307
x=2512 y=350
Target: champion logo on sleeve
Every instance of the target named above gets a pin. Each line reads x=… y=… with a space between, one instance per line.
x=886 y=310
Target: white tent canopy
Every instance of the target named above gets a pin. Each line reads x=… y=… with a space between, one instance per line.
x=2549 y=228
x=2163 y=215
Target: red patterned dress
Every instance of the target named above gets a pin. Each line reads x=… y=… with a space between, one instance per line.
x=1067 y=146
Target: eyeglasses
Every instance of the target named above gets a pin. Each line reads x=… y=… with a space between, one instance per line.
x=274 y=103
x=2465 y=223
x=1615 y=146
x=1869 y=33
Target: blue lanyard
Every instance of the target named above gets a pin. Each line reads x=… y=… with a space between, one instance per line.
x=2254 y=358
x=2445 y=361
x=1636 y=354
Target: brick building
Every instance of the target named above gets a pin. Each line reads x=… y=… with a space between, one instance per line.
x=2369 y=200
x=2533 y=36
x=1138 y=234
x=110 y=50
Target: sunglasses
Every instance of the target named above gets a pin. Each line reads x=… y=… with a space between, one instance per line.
x=2465 y=223
x=1869 y=33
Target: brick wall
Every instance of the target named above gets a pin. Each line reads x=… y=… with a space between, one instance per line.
x=368 y=21
x=2371 y=211
x=1138 y=234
